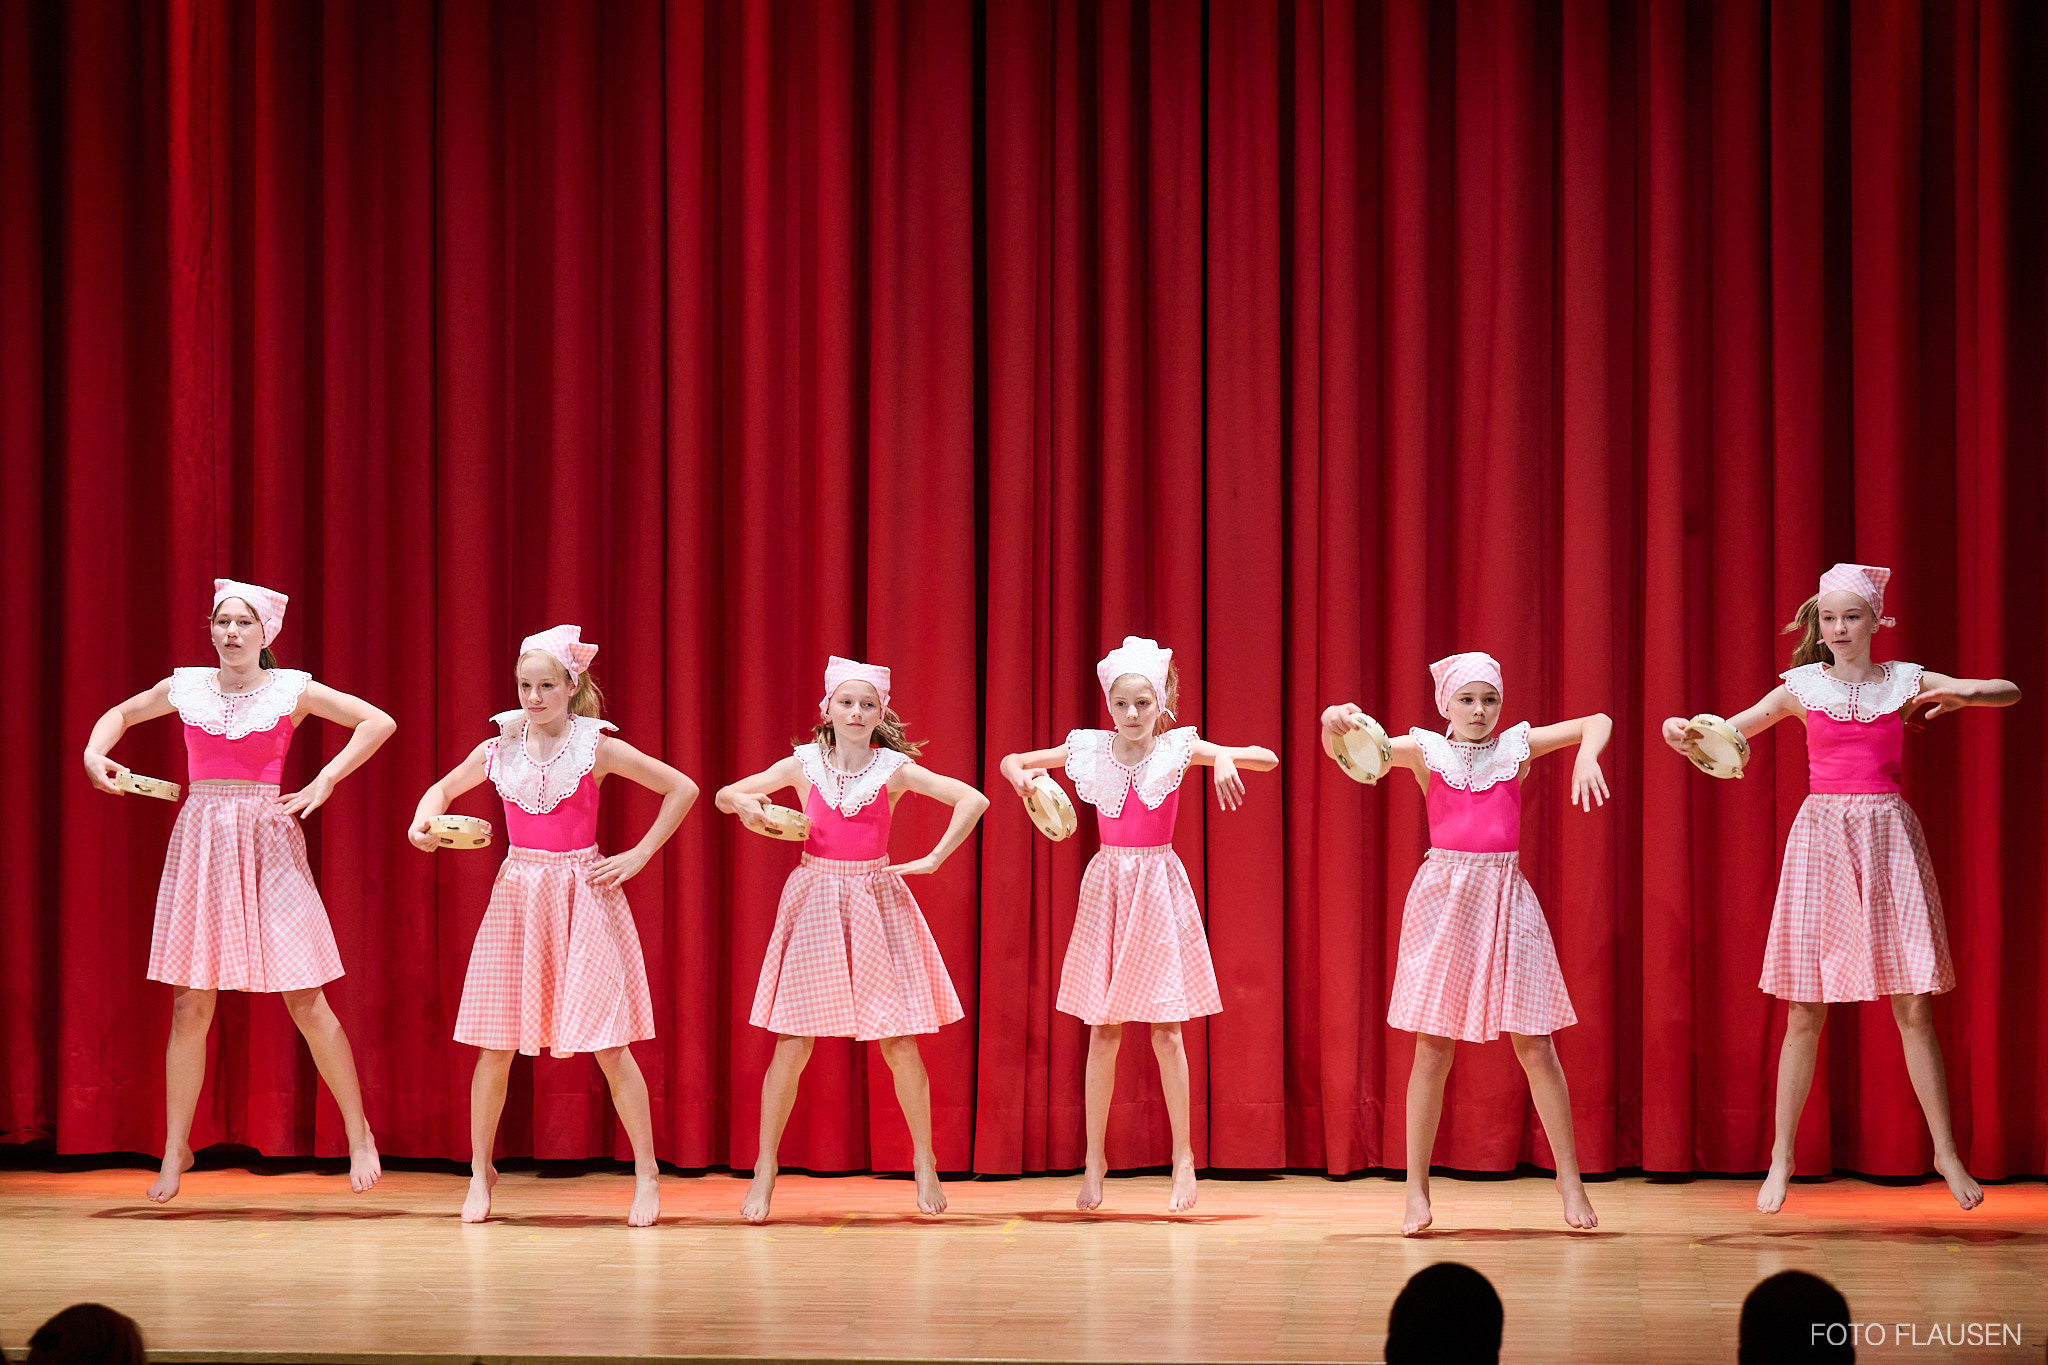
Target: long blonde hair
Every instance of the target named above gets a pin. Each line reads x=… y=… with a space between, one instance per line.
x=889 y=733
x=1805 y=623
x=586 y=700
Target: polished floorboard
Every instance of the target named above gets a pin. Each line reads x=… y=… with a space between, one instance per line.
x=1288 y=1268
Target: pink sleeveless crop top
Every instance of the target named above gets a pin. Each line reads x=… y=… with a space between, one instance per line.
x=238 y=736
x=849 y=812
x=1464 y=821
x=1845 y=756
x=1137 y=826
x=252 y=758
x=571 y=825
x=550 y=807
x=1474 y=797
x=1134 y=807
x=1855 y=732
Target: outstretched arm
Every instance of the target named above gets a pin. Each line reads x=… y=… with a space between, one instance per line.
x=1778 y=704
x=1404 y=752
x=370 y=728
x=437 y=798
x=108 y=729
x=967 y=804
x=1590 y=733
x=1226 y=760
x=1021 y=770
x=678 y=794
x=1940 y=693
x=744 y=797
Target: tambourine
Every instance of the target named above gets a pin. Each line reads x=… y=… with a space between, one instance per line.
x=784 y=823
x=1364 y=753
x=1050 y=809
x=1719 y=750
x=147 y=786
x=460 y=831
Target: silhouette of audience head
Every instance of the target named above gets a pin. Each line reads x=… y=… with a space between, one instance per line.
x=1787 y=1318
x=87 y=1334
x=1447 y=1314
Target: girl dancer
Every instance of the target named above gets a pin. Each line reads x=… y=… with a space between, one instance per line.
x=1858 y=914
x=1138 y=953
x=237 y=909
x=557 y=958
x=850 y=955
x=1476 y=958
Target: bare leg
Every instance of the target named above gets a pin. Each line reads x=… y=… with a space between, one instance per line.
x=914 y=1093
x=778 y=1095
x=1538 y=1055
x=1172 y=1053
x=1803 y=1021
x=629 y=1097
x=1103 y=1041
x=1915 y=1017
x=184 y=1073
x=486 y=1103
x=337 y=1066
x=1432 y=1067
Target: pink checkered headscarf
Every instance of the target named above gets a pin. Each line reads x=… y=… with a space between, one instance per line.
x=563 y=644
x=1140 y=656
x=1865 y=580
x=269 y=606
x=1454 y=672
x=839 y=671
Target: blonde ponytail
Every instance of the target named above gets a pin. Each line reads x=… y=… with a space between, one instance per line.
x=1805 y=623
x=587 y=699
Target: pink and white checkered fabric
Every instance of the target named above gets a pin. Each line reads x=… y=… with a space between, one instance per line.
x=1138 y=953
x=851 y=957
x=237 y=909
x=1858 y=913
x=1476 y=957
x=556 y=963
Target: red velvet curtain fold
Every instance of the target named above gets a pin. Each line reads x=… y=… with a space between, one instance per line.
x=1316 y=339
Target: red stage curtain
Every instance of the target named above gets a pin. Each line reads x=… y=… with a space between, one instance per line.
x=1316 y=339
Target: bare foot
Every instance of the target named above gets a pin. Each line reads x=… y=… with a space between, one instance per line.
x=760 y=1194
x=1417 y=1217
x=646 y=1210
x=165 y=1188
x=1578 y=1210
x=365 y=1167
x=1090 y=1196
x=1968 y=1192
x=1183 y=1196
x=931 y=1195
x=477 y=1207
x=1771 y=1197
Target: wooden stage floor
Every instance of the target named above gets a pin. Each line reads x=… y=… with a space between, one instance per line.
x=1294 y=1268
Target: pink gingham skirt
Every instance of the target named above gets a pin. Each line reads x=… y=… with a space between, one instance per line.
x=1138 y=953
x=1476 y=957
x=851 y=957
x=556 y=962
x=1858 y=913
x=237 y=909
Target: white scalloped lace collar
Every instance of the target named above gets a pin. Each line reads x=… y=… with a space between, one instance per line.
x=235 y=715
x=849 y=793
x=1819 y=690
x=535 y=787
x=1474 y=767
x=1103 y=782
